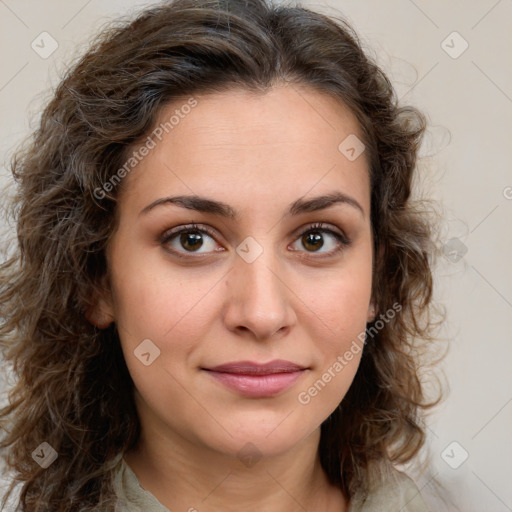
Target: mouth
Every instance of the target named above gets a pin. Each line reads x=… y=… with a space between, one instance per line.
x=257 y=380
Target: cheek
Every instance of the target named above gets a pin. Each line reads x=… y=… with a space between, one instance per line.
x=339 y=301
x=337 y=332
x=156 y=302
x=153 y=298
x=338 y=310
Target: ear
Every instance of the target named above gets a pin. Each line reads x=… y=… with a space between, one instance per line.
x=101 y=312
x=372 y=312
x=372 y=308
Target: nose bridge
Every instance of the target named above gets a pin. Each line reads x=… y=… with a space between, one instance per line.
x=259 y=299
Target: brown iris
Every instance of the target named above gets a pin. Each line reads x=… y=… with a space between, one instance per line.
x=191 y=240
x=313 y=239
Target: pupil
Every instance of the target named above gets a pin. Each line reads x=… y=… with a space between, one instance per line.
x=191 y=239
x=314 y=239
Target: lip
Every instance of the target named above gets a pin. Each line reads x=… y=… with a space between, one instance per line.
x=255 y=379
x=253 y=368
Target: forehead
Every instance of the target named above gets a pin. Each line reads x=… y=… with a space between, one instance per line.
x=243 y=145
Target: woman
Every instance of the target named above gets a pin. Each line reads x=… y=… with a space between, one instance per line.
x=221 y=276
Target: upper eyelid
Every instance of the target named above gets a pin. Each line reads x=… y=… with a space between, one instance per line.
x=168 y=233
x=322 y=226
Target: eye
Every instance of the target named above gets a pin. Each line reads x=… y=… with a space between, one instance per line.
x=314 y=240
x=190 y=239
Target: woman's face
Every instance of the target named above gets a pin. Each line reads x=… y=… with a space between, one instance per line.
x=271 y=279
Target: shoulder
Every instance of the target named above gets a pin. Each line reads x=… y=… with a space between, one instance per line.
x=396 y=493
x=131 y=496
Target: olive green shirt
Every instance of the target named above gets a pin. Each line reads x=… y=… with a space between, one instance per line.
x=401 y=495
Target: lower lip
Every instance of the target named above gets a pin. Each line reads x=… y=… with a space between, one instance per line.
x=257 y=386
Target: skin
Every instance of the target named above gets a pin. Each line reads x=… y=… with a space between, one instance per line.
x=258 y=154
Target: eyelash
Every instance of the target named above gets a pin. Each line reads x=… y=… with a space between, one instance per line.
x=342 y=240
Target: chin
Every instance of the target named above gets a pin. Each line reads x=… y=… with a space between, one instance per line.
x=259 y=439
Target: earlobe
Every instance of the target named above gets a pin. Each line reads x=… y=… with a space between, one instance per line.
x=372 y=313
x=372 y=309
x=100 y=312
x=98 y=316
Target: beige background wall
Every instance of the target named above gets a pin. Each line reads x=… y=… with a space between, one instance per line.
x=467 y=93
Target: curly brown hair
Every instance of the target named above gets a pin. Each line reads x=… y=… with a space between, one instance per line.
x=73 y=389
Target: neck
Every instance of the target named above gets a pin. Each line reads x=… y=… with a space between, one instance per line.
x=185 y=476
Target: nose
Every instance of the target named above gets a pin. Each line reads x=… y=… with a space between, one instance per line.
x=258 y=301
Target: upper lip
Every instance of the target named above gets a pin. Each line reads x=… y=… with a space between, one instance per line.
x=253 y=368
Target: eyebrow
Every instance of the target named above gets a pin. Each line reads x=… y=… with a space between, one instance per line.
x=213 y=207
